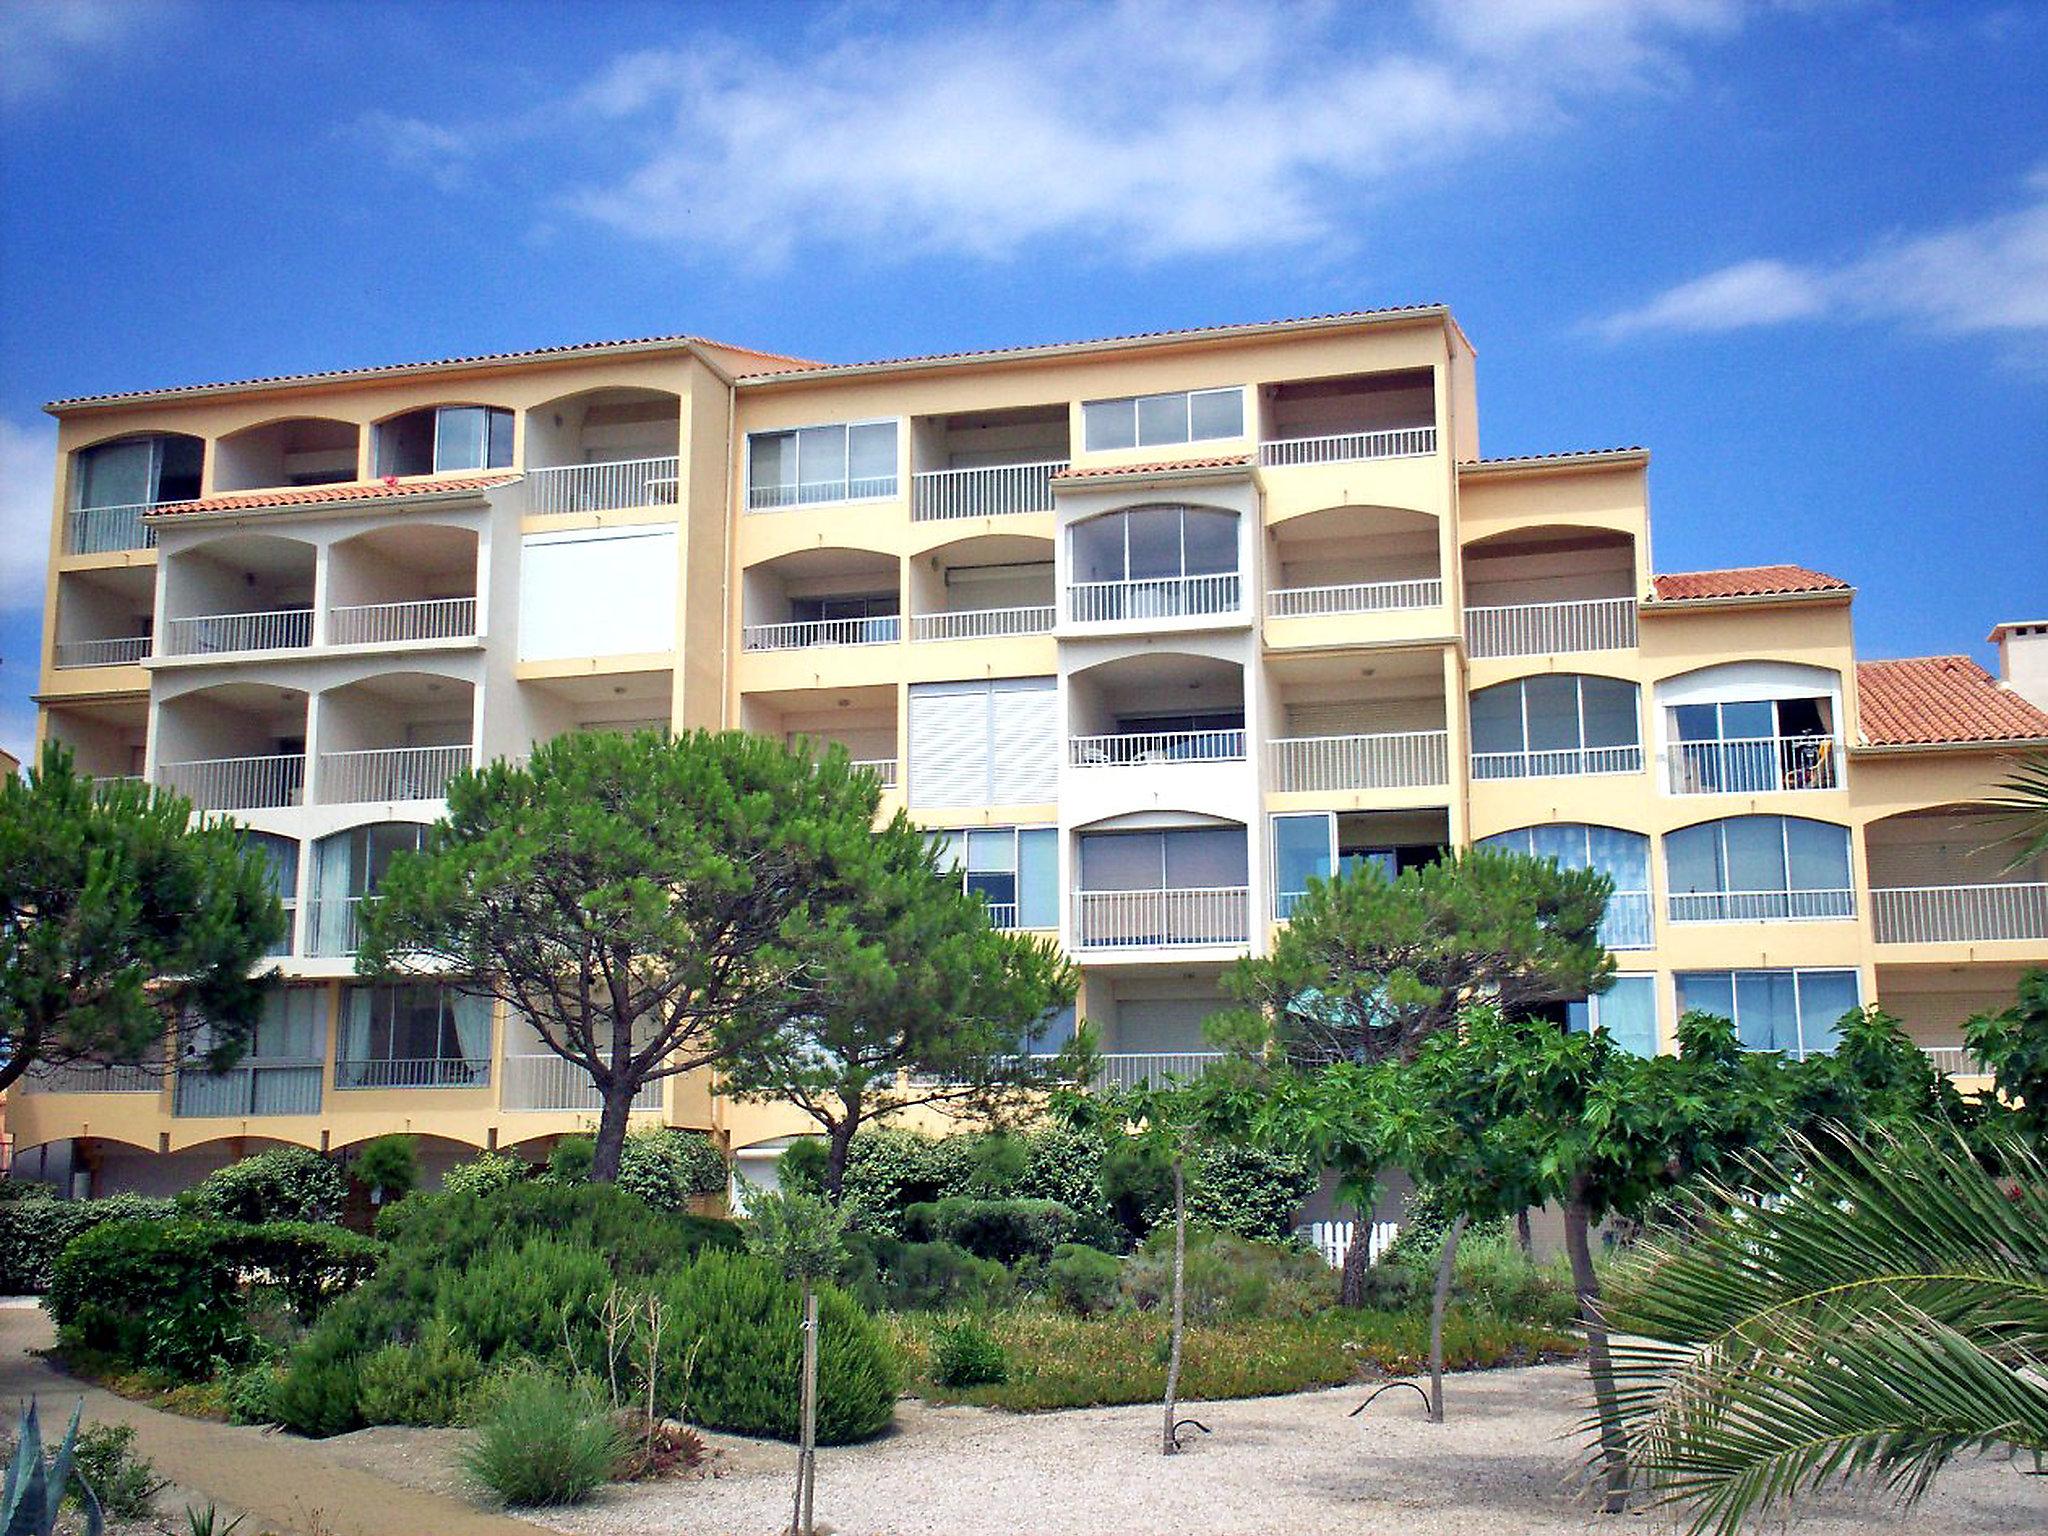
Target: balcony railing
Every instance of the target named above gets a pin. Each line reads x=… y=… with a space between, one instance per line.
x=107 y=530
x=433 y=618
x=610 y=487
x=938 y=494
x=1353 y=597
x=883 y=768
x=389 y=773
x=982 y=623
x=331 y=928
x=1335 y=447
x=414 y=1072
x=1394 y=760
x=1563 y=762
x=93 y=1077
x=1760 y=906
x=253 y=1088
x=882 y=629
x=237 y=783
x=777 y=498
x=1953 y=1060
x=1150 y=1069
x=1960 y=914
x=1545 y=629
x=1146 y=919
x=1117 y=751
x=1627 y=922
x=123 y=651
x=549 y=1082
x=1153 y=597
x=1753 y=765
x=217 y=634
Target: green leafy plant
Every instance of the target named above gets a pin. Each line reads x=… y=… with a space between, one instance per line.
x=34 y=1492
x=1228 y=1276
x=1250 y=1190
x=125 y=1484
x=965 y=1354
x=251 y=1393
x=209 y=1521
x=1003 y=1230
x=544 y=1442
x=33 y=1231
x=1084 y=1280
x=483 y=1174
x=666 y=1167
x=431 y=1381
x=572 y=1160
x=389 y=1166
x=280 y=1184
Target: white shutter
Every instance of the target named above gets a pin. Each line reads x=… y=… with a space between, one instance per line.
x=1026 y=768
x=597 y=592
x=948 y=744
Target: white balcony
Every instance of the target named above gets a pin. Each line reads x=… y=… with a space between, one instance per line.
x=121 y=652
x=389 y=773
x=1151 y=919
x=883 y=768
x=434 y=618
x=884 y=629
x=92 y=1077
x=414 y=1072
x=108 y=530
x=1960 y=914
x=1394 y=760
x=1353 y=597
x=238 y=783
x=1156 y=747
x=1753 y=765
x=1338 y=447
x=1761 y=906
x=1953 y=1060
x=982 y=623
x=546 y=1081
x=995 y=491
x=216 y=634
x=1150 y=1069
x=616 y=486
x=1627 y=921
x=1153 y=597
x=332 y=931
x=1546 y=629
x=252 y=1088
x=1563 y=762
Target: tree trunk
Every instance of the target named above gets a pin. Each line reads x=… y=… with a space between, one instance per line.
x=1446 y=1267
x=1524 y=1236
x=1180 y=1279
x=838 y=1148
x=807 y=1447
x=1613 y=1446
x=611 y=1132
x=1357 y=1259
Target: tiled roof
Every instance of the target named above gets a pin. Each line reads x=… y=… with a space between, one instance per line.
x=323 y=495
x=1625 y=451
x=1742 y=581
x=1106 y=471
x=1931 y=700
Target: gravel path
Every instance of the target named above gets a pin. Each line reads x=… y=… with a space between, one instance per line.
x=1501 y=1466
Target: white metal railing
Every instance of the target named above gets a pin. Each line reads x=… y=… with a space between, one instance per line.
x=1153 y=597
x=883 y=768
x=881 y=629
x=432 y=618
x=331 y=928
x=389 y=773
x=1002 y=914
x=122 y=651
x=252 y=1088
x=991 y=491
x=237 y=783
x=1948 y=914
x=776 y=498
x=215 y=634
x=1124 y=751
x=1335 y=447
x=92 y=1077
x=1753 y=765
x=413 y=1072
x=982 y=623
x=1543 y=629
x=105 y=530
x=1204 y=915
x=1150 y=1069
x=548 y=1081
x=1353 y=597
x=1390 y=760
x=1561 y=763
x=1627 y=922
x=1953 y=1060
x=1760 y=906
x=608 y=487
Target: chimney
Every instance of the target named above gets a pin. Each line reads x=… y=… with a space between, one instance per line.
x=2023 y=658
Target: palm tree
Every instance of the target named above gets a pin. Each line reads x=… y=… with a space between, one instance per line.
x=1886 y=1314
x=2025 y=800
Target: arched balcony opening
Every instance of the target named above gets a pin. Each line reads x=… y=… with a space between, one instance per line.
x=1345 y=560
x=234 y=746
x=821 y=597
x=1759 y=869
x=1751 y=727
x=115 y=484
x=1372 y=721
x=402 y=584
x=444 y=440
x=1953 y=875
x=105 y=618
x=1550 y=591
x=1556 y=724
x=298 y=451
x=242 y=592
x=1149 y=563
x=603 y=450
x=992 y=588
x=347 y=866
x=1155 y=710
x=1621 y=855
x=394 y=737
x=1152 y=887
x=861 y=720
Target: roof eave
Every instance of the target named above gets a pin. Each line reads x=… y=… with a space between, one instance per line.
x=1982 y=744
x=1538 y=464
x=1753 y=600
x=169 y=517
x=1193 y=474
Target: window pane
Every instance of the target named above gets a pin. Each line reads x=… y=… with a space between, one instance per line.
x=1038 y=878
x=1706 y=992
x=992 y=850
x=1211 y=542
x=1162 y=419
x=1000 y=892
x=1696 y=722
x=821 y=463
x=501 y=440
x=1624 y=856
x=1216 y=413
x=871 y=458
x=1553 y=712
x=1518 y=841
x=1819 y=855
x=1756 y=853
x=1155 y=541
x=1628 y=1014
x=1824 y=996
x=1120 y=861
x=459 y=437
x=1745 y=720
x=1692 y=860
x=1109 y=424
x=1497 y=719
x=1767 y=1011
x=1301 y=848
x=116 y=474
x=1563 y=843
x=1610 y=712
x=951 y=848
x=1099 y=549
x=178 y=464
x=771 y=460
x=1207 y=858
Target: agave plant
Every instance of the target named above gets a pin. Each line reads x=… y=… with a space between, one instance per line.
x=1886 y=1314
x=33 y=1492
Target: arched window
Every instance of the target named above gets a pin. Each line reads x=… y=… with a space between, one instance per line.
x=1624 y=857
x=1154 y=562
x=441 y=439
x=1557 y=723
x=282 y=855
x=1750 y=869
x=347 y=866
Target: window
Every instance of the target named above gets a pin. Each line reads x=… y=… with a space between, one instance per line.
x=984 y=743
x=1194 y=858
x=1156 y=421
x=347 y=867
x=1624 y=857
x=813 y=464
x=563 y=576
x=1016 y=870
x=137 y=471
x=281 y=854
x=445 y=439
x=1558 y=723
x=414 y=1035
x=1749 y=746
x=1749 y=869
x=1143 y=563
x=1626 y=1013
x=1302 y=851
x=1794 y=1011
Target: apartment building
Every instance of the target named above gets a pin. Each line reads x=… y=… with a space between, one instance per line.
x=1149 y=631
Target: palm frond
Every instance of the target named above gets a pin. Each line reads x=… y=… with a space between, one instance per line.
x=2024 y=800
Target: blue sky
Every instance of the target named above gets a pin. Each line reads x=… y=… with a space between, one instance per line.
x=1800 y=250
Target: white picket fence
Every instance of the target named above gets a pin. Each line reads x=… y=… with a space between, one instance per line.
x=1333 y=1239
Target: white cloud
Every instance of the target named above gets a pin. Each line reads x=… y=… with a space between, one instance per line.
x=1989 y=275
x=27 y=482
x=41 y=39
x=1148 y=128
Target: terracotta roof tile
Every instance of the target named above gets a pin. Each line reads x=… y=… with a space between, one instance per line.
x=1931 y=700
x=1107 y=471
x=342 y=492
x=1742 y=581
x=1623 y=451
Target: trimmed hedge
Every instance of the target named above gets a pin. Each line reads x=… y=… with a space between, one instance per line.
x=1006 y=1231
x=282 y=1184
x=36 y=1228
x=885 y=1275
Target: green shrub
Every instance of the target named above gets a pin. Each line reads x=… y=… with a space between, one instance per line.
x=995 y=1165
x=665 y=1167
x=1391 y=1287
x=389 y=1166
x=251 y=1393
x=965 y=1354
x=158 y=1294
x=801 y=1167
x=1003 y=1230
x=430 y=1382
x=571 y=1161
x=282 y=1184
x=889 y=1171
x=1083 y=1279
x=526 y=1300
x=309 y=1263
x=1228 y=1276
x=544 y=1442
x=35 y=1228
x=744 y=1320
x=1137 y=1185
x=448 y=1230
x=124 y=1483
x=1493 y=1275
x=484 y=1174
x=317 y=1395
x=886 y=1275
x=1251 y=1192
